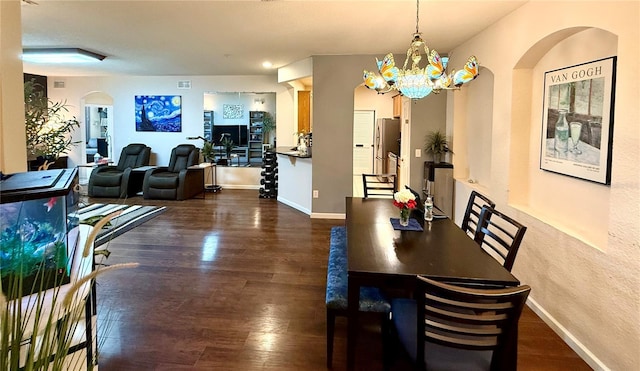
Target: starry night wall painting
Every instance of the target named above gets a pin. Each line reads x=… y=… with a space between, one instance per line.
x=159 y=113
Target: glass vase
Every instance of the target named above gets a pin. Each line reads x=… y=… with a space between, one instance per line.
x=404 y=217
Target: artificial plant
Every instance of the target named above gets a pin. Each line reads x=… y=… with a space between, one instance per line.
x=436 y=143
x=228 y=145
x=208 y=152
x=38 y=332
x=48 y=132
x=268 y=125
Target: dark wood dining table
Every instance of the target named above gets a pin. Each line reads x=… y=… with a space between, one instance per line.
x=386 y=258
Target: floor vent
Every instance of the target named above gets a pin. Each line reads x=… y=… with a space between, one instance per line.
x=184 y=84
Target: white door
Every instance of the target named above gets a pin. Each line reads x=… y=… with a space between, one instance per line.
x=405 y=143
x=363 y=125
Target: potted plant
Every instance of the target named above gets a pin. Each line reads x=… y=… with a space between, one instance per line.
x=48 y=133
x=268 y=125
x=228 y=145
x=207 y=151
x=437 y=144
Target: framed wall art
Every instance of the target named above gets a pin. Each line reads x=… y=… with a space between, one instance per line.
x=159 y=113
x=577 y=120
x=232 y=111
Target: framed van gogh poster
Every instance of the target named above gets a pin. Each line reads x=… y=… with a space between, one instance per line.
x=159 y=113
x=577 y=120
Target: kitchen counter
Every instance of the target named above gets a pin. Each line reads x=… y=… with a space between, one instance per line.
x=292 y=152
x=294 y=179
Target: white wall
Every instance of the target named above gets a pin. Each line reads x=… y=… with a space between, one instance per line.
x=472 y=142
x=581 y=253
x=294 y=182
x=123 y=89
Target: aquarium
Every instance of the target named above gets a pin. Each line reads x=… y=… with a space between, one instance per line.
x=38 y=230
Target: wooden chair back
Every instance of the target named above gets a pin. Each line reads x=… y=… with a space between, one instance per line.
x=379 y=185
x=472 y=214
x=468 y=318
x=499 y=235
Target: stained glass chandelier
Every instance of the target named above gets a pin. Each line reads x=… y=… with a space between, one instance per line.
x=417 y=82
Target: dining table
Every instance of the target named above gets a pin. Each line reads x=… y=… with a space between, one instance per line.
x=381 y=256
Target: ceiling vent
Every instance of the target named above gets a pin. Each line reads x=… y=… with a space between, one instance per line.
x=58 y=84
x=184 y=84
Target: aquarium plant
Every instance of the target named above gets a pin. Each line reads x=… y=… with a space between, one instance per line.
x=38 y=331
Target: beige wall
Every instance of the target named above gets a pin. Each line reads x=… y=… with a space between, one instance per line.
x=13 y=151
x=581 y=253
x=366 y=99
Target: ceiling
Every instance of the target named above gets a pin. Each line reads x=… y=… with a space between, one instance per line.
x=213 y=37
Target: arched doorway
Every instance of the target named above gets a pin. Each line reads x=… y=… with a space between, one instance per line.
x=368 y=107
x=97 y=108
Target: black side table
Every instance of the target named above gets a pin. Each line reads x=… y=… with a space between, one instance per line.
x=136 y=178
x=214 y=187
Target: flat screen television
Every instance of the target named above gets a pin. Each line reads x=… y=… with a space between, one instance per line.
x=238 y=133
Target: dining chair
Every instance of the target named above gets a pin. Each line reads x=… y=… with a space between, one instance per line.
x=449 y=327
x=499 y=235
x=379 y=185
x=418 y=212
x=472 y=214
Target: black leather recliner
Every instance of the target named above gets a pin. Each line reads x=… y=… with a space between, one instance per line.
x=176 y=181
x=113 y=181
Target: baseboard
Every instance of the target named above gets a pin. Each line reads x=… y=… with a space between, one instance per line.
x=567 y=337
x=328 y=216
x=294 y=205
x=239 y=186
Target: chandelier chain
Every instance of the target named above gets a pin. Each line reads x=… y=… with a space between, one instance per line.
x=417 y=14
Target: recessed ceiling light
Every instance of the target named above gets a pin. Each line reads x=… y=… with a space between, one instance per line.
x=267 y=64
x=60 y=55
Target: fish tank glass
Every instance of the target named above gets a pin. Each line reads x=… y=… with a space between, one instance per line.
x=38 y=230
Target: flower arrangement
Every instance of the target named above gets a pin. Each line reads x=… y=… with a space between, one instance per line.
x=404 y=199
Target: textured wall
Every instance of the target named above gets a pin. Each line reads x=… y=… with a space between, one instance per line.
x=581 y=253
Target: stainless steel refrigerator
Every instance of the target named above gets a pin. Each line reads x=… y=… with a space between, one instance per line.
x=386 y=138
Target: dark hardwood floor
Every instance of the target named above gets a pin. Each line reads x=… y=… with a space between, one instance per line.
x=235 y=282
